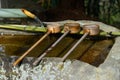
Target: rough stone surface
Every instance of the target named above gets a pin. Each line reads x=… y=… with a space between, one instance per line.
x=54 y=69
x=110 y=69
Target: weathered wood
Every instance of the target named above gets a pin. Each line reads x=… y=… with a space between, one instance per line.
x=81 y=49
x=97 y=53
x=15 y=45
x=61 y=47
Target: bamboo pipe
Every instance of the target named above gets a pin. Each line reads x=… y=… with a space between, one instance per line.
x=110 y=33
x=42 y=29
x=54 y=28
x=31 y=15
x=18 y=13
x=27 y=13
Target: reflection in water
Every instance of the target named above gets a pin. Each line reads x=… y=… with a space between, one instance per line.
x=91 y=51
x=2 y=49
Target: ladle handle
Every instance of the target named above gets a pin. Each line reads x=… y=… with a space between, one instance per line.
x=50 y=48
x=31 y=48
x=78 y=42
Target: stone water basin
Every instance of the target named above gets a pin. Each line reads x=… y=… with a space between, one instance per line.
x=91 y=50
x=93 y=59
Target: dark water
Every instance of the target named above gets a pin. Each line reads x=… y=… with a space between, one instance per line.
x=93 y=51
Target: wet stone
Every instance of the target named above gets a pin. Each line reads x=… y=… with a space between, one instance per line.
x=54 y=69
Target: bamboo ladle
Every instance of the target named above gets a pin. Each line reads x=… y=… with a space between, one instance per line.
x=51 y=28
x=91 y=30
x=68 y=28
